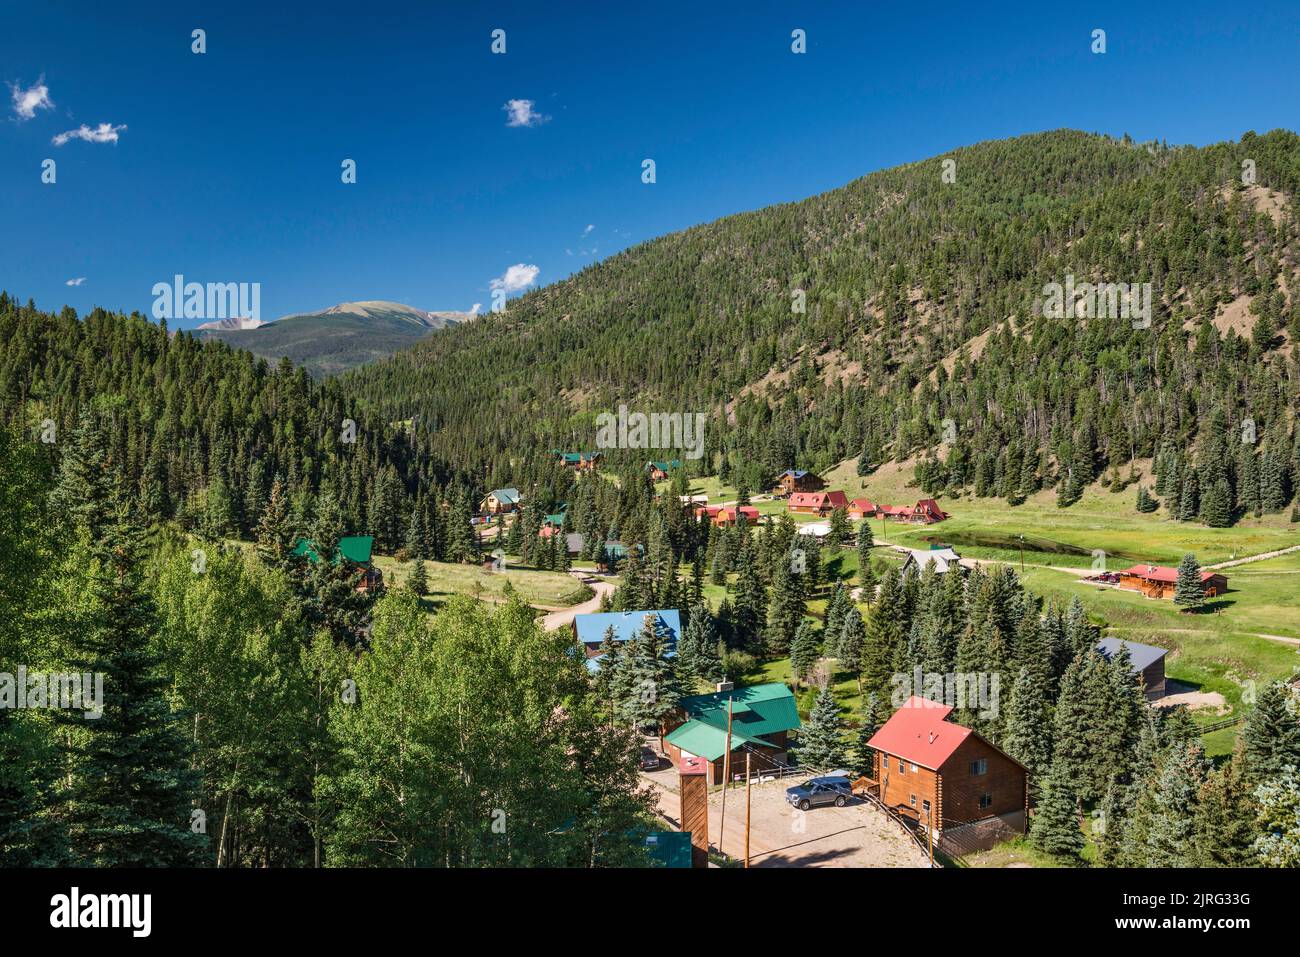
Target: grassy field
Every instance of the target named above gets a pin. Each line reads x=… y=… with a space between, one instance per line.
x=538 y=588
x=1101 y=521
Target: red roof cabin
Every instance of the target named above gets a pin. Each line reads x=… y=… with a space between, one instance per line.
x=817 y=503
x=938 y=774
x=1159 y=581
x=927 y=512
x=862 y=508
x=726 y=515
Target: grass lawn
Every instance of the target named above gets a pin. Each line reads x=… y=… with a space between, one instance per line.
x=535 y=587
x=1100 y=521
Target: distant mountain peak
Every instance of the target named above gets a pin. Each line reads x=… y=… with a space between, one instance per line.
x=233 y=324
x=341 y=337
x=383 y=309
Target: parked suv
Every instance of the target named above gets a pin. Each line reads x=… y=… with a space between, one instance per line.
x=818 y=792
x=649 y=760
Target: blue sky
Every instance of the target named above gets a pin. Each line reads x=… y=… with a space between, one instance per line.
x=228 y=165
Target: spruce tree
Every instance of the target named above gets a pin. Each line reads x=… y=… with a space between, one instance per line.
x=1055 y=827
x=1225 y=819
x=1171 y=826
x=804 y=653
x=131 y=786
x=418 y=581
x=1189 y=593
x=1271 y=736
x=1028 y=733
x=821 y=744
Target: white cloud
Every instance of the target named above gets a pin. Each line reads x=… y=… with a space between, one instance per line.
x=76 y=282
x=587 y=232
x=521 y=113
x=473 y=310
x=28 y=101
x=515 y=278
x=103 y=133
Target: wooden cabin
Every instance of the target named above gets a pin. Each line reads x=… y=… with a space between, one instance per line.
x=579 y=461
x=948 y=779
x=926 y=512
x=661 y=470
x=499 y=501
x=862 y=508
x=354 y=551
x=1160 y=581
x=1147 y=662
x=761 y=718
x=725 y=516
x=795 y=480
x=817 y=503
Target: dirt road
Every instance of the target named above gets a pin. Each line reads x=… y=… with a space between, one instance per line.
x=558 y=619
x=781 y=836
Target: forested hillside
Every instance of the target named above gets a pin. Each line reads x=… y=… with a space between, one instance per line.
x=923 y=322
x=199 y=431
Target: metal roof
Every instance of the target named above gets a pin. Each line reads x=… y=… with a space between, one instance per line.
x=1142 y=656
x=627 y=624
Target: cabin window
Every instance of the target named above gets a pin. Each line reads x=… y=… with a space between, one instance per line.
x=979 y=766
x=902 y=768
x=925 y=805
x=986 y=800
x=913 y=800
x=884 y=761
x=913 y=768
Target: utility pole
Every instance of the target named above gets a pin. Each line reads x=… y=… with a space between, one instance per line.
x=1022 y=554
x=726 y=778
x=747 y=802
x=929 y=836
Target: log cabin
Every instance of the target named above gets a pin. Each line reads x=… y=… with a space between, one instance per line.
x=661 y=470
x=725 y=516
x=926 y=512
x=1160 y=581
x=862 y=508
x=795 y=480
x=817 y=503
x=579 y=461
x=948 y=779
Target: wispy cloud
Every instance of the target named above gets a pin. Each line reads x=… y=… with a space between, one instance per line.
x=103 y=133
x=521 y=113
x=76 y=282
x=587 y=232
x=515 y=278
x=28 y=101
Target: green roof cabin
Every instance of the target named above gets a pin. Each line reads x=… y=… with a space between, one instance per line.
x=354 y=549
x=761 y=718
x=661 y=470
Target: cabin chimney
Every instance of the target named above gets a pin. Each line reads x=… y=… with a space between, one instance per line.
x=725 y=685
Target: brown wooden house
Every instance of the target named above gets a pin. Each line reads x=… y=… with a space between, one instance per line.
x=817 y=503
x=795 y=480
x=949 y=779
x=1160 y=581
